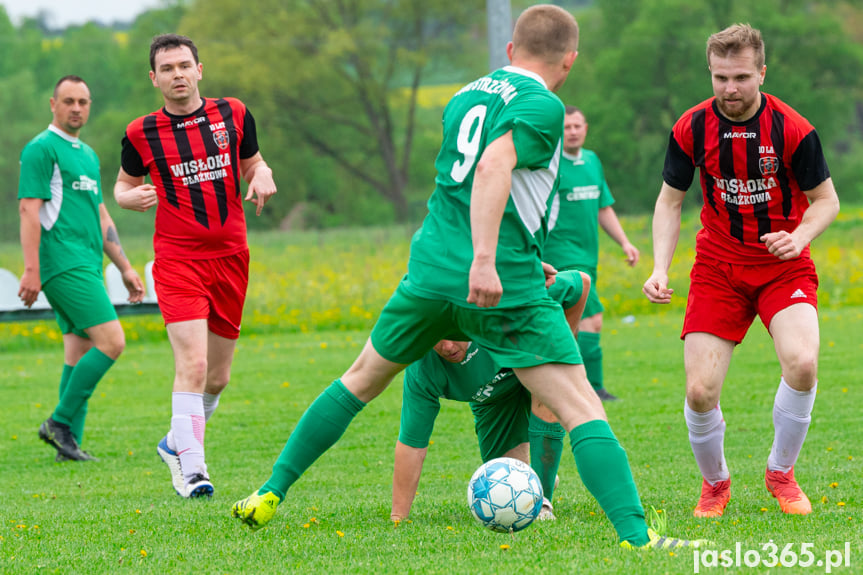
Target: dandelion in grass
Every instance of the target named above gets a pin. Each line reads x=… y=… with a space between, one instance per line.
x=143 y=552
x=834 y=485
x=504 y=547
x=824 y=499
x=340 y=534
x=840 y=503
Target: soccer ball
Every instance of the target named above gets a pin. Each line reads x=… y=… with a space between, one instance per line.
x=505 y=495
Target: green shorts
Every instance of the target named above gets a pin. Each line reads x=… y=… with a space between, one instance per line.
x=79 y=299
x=524 y=336
x=501 y=423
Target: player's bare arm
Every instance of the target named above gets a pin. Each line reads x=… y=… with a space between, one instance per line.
x=666 y=231
x=260 y=178
x=491 y=187
x=823 y=208
x=112 y=248
x=132 y=193
x=31 y=235
x=611 y=224
x=407 y=468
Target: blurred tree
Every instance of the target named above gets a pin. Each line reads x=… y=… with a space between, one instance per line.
x=647 y=68
x=339 y=77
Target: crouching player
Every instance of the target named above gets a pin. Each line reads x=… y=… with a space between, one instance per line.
x=507 y=420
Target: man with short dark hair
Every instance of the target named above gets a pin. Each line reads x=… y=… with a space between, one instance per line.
x=585 y=205
x=65 y=227
x=195 y=150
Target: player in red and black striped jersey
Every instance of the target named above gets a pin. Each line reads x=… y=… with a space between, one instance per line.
x=195 y=150
x=767 y=195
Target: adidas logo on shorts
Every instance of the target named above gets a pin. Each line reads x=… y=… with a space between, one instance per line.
x=798 y=294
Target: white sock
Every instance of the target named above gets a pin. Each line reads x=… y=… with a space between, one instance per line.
x=706 y=436
x=187 y=429
x=792 y=411
x=211 y=402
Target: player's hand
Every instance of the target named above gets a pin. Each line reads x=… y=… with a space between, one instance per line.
x=261 y=188
x=140 y=198
x=134 y=285
x=632 y=254
x=484 y=284
x=550 y=274
x=656 y=288
x=31 y=285
x=783 y=245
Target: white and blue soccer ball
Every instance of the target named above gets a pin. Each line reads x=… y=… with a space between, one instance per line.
x=505 y=494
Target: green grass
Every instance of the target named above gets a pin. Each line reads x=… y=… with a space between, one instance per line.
x=121 y=515
x=313 y=297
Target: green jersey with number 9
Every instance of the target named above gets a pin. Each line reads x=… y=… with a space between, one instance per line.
x=509 y=99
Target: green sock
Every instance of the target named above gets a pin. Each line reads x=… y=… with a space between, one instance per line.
x=591 y=352
x=319 y=428
x=77 y=424
x=546 y=445
x=605 y=471
x=80 y=385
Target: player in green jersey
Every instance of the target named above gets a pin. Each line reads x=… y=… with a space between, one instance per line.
x=573 y=243
x=508 y=422
x=65 y=227
x=475 y=274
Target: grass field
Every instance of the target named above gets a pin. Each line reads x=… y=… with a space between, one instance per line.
x=121 y=515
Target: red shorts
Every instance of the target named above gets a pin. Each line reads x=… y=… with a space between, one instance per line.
x=213 y=289
x=724 y=298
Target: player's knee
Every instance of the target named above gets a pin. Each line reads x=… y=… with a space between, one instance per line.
x=701 y=397
x=114 y=346
x=801 y=371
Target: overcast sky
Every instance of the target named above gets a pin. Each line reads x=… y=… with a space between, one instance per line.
x=66 y=12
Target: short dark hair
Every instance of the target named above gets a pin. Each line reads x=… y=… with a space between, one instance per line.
x=569 y=110
x=167 y=42
x=70 y=78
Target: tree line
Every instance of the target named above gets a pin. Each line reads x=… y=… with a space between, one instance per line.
x=347 y=95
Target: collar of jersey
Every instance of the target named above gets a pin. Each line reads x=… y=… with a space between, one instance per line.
x=62 y=134
x=528 y=73
x=571 y=157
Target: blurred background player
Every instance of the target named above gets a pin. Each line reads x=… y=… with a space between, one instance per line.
x=767 y=195
x=195 y=150
x=65 y=227
x=573 y=242
x=508 y=423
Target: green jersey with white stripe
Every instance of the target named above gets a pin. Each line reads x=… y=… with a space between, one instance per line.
x=509 y=99
x=574 y=237
x=64 y=171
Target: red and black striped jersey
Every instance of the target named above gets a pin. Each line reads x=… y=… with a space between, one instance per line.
x=193 y=161
x=753 y=174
